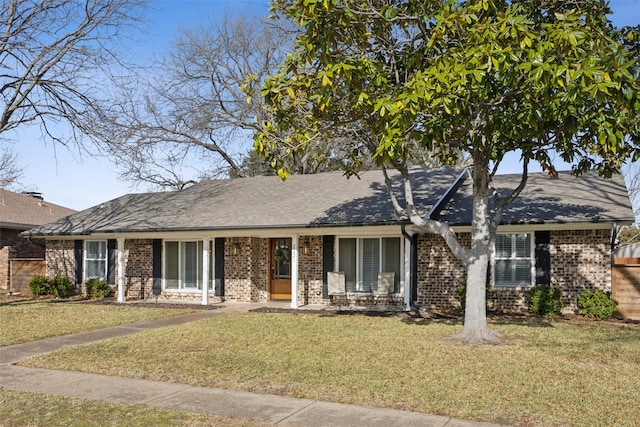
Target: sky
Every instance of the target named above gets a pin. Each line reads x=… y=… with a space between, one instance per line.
x=78 y=181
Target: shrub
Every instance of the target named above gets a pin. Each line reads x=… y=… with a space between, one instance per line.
x=596 y=303
x=39 y=285
x=97 y=288
x=61 y=287
x=545 y=300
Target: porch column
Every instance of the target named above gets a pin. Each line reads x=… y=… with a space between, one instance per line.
x=407 y=273
x=294 y=271
x=205 y=271
x=120 y=269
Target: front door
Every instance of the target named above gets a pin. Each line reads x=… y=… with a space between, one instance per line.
x=280 y=263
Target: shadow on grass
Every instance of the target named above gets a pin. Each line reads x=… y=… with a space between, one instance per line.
x=14 y=301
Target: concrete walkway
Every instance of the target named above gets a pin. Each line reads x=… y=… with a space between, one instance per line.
x=278 y=410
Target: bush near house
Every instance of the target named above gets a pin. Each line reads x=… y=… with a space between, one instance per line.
x=596 y=303
x=39 y=285
x=545 y=300
x=97 y=288
x=58 y=286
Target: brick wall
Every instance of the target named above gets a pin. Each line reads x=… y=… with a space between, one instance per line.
x=6 y=253
x=310 y=271
x=247 y=272
x=439 y=272
x=580 y=259
x=24 y=248
x=60 y=259
x=138 y=272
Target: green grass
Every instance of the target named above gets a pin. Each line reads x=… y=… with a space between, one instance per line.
x=18 y=408
x=25 y=320
x=549 y=372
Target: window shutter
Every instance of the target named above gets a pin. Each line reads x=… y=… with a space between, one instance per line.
x=327 y=262
x=157 y=266
x=111 y=261
x=413 y=264
x=543 y=258
x=77 y=252
x=219 y=267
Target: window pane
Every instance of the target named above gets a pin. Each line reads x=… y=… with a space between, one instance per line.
x=171 y=265
x=347 y=262
x=96 y=259
x=96 y=250
x=523 y=245
x=370 y=265
x=503 y=246
x=522 y=271
x=96 y=269
x=391 y=259
x=189 y=264
x=502 y=271
x=512 y=260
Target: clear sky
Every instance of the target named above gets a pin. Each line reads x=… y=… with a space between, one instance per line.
x=78 y=181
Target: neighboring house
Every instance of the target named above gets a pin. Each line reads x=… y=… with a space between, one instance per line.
x=20 y=257
x=323 y=239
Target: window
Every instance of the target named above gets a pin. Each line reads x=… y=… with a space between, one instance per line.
x=183 y=265
x=513 y=261
x=95 y=259
x=362 y=259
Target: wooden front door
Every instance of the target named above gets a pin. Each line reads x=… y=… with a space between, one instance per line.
x=280 y=266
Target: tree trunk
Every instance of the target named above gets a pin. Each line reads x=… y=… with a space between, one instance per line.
x=475 y=329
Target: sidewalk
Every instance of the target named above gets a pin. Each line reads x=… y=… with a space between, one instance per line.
x=278 y=410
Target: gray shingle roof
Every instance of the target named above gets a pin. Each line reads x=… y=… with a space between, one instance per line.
x=568 y=199
x=329 y=199
x=23 y=211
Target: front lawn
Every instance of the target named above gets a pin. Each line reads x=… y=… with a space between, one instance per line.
x=550 y=372
x=25 y=319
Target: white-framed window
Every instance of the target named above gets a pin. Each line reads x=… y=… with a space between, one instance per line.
x=183 y=265
x=362 y=258
x=514 y=260
x=95 y=259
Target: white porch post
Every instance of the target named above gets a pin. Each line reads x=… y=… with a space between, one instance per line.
x=121 y=269
x=294 y=271
x=205 y=271
x=407 y=273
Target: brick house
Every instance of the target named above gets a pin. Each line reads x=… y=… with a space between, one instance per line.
x=323 y=239
x=22 y=258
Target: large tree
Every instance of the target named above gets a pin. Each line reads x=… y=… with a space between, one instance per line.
x=477 y=78
x=192 y=114
x=55 y=56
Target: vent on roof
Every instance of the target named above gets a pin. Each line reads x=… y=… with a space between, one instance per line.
x=34 y=194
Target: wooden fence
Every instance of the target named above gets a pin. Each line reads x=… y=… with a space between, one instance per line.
x=21 y=270
x=625 y=287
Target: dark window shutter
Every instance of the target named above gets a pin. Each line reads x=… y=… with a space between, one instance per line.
x=219 y=267
x=543 y=258
x=77 y=252
x=156 y=269
x=111 y=261
x=413 y=264
x=327 y=262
